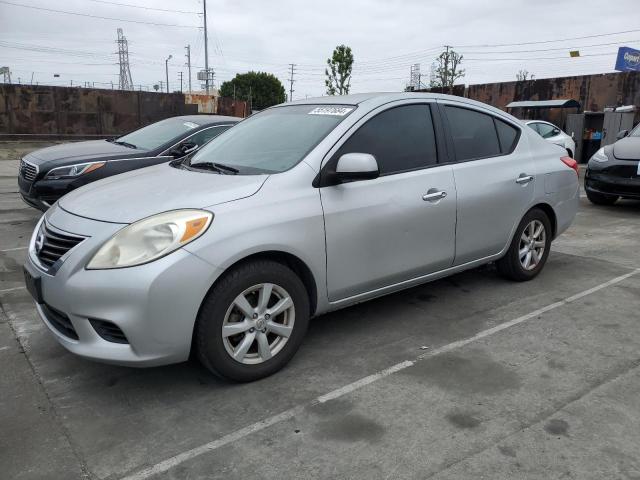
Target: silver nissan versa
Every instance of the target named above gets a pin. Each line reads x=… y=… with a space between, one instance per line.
x=301 y=209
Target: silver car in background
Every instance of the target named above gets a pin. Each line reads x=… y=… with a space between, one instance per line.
x=304 y=208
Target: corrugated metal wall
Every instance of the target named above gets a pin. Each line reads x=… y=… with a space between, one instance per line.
x=27 y=109
x=594 y=92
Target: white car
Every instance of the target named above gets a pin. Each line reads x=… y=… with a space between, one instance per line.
x=553 y=134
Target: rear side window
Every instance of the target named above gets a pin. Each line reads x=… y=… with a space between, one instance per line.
x=474 y=134
x=545 y=130
x=507 y=135
x=401 y=139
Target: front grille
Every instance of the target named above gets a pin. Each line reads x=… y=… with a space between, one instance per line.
x=108 y=331
x=28 y=171
x=59 y=321
x=51 y=245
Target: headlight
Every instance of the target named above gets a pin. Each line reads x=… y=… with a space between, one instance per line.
x=600 y=156
x=74 y=170
x=151 y=238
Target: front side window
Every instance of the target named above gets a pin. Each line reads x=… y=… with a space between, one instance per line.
x=474 y=133
x=205 y=135
x=274 y=140
x=157 y=134
x=401 y=139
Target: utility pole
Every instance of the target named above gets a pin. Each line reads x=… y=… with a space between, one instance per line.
x=291 y=80
x=161 y=85
x=188 y=55
x=180 y=75
x=206 y=48
x=166 y=70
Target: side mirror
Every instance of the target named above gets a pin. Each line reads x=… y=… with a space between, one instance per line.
x=621 y=134
x=183 y=149
x=357 y=166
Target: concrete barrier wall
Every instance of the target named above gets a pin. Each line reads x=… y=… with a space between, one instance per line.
x=65 y=111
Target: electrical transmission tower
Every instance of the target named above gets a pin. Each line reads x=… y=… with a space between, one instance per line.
x=414 y=79
x=125 y=82
x=291 y=81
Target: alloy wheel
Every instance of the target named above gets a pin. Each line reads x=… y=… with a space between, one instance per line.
x=258 y=323
x=533 y=242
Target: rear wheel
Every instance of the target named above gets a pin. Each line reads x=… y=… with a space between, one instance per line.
x=529 y=248
x=252 y=322
x=601 y=199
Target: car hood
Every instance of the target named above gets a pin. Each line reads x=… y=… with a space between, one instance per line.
x=131 y=196
x=627 y=148
x=89 y=150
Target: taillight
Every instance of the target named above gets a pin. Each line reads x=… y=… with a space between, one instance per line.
x=570 y=162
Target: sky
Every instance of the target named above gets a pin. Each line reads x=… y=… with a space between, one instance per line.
x=496 y=39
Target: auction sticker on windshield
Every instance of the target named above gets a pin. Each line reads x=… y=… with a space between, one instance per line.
x=338 y=111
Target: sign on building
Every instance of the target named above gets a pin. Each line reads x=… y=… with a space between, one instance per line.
x=628 y=60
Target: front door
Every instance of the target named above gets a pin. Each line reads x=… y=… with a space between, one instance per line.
x=400 y=225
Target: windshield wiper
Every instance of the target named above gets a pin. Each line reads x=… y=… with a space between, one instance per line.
x=226 y=168
x=126 y=144
x=216 y=167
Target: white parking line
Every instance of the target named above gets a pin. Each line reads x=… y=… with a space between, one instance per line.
x=6 y=290
x=13 y=249
x=171 y=462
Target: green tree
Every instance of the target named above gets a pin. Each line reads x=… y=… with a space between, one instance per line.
x=338 y=72
x=448 y=70
x=261 y=88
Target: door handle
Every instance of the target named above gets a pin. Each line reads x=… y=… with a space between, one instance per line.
x=524 y=179
x=432 y=196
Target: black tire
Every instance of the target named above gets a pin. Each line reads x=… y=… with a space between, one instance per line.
x=601 y=199
x=209 y=343
x=510 y=265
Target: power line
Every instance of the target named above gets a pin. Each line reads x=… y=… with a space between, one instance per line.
x=577 y=47
x=547 y=41
x=536 y=58
x=143 y=7
x=96 y=16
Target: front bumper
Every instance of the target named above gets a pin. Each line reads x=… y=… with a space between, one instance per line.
x=41 y=194
x=154 y=305
x=627 y=187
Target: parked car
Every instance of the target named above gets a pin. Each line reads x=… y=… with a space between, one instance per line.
x=553 y=134
x=47 y=174
x=613 y=172
x=301 y=209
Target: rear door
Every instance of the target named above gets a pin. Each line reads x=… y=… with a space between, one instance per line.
x=494 y=175
x=382 y=231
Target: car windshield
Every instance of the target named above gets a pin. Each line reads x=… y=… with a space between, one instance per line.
x=635 y=132
x=157 y=134
x=274 y=140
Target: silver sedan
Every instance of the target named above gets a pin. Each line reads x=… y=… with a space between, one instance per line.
x=301 y=209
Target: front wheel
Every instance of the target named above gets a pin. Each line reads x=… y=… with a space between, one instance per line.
x=529 y=248
x=252 y=322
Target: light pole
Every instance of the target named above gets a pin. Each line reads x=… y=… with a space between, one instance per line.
x=166 y=69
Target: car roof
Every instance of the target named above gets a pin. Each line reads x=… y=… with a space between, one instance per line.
x=206 y=119
x=375 y=99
